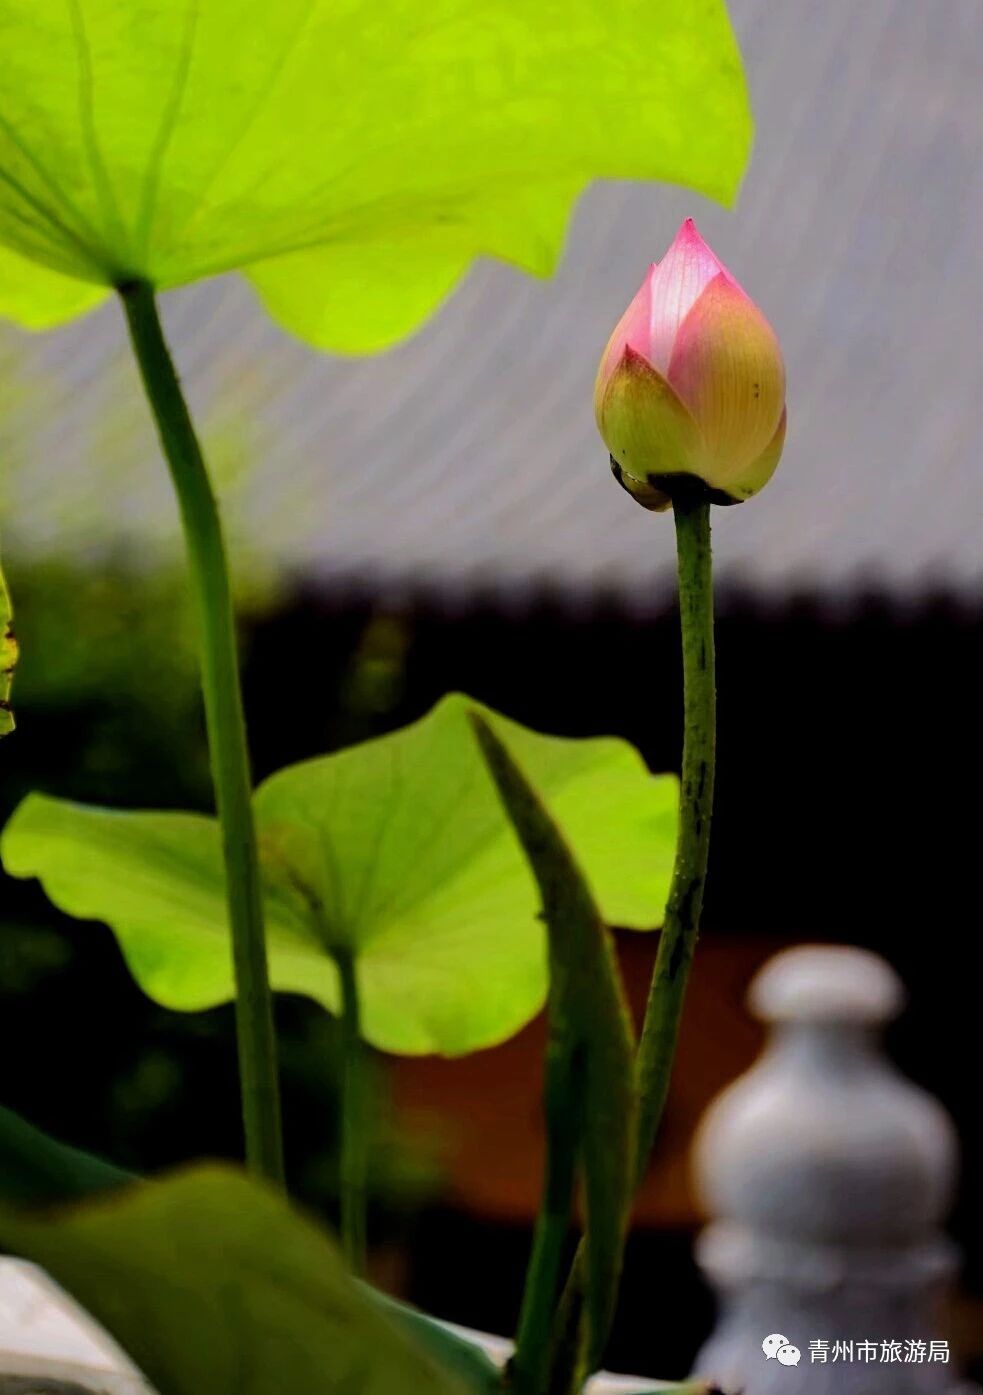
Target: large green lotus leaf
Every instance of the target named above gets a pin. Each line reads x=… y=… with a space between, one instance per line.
x=8 y=658
x=399 y=849
x=353 y=155
x=41 y=299
x=215 y=1286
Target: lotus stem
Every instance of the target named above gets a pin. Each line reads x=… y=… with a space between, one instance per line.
x=657 y=1047
x=226 y=729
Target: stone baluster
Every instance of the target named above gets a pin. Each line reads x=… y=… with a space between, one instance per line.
x=827 y=1175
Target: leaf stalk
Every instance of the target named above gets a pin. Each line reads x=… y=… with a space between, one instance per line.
x=226 y=728
x=354 y=1118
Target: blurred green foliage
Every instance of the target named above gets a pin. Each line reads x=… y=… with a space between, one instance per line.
x=8 y=658
x=212 y=1283
x=108 y=682
x=109 y=711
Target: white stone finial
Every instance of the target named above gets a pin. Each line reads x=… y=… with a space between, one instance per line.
x=826 y=1175
x=826 y=983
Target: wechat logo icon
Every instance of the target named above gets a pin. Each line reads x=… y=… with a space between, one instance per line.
x=779 y=1348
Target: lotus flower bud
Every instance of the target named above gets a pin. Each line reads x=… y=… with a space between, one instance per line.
x=690 y=394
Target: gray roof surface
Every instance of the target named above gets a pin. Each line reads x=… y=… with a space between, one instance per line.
x=467 y=458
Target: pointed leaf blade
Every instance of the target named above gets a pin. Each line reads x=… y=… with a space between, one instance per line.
x=589 y=1025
